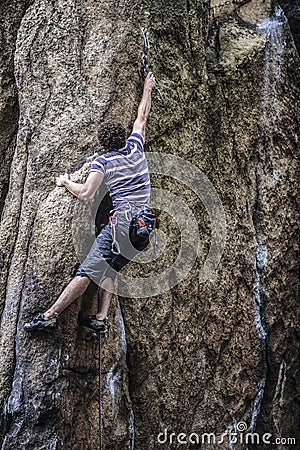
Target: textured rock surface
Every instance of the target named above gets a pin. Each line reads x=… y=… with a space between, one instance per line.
x=11 y=13
x=201 y=357
x=292 y=11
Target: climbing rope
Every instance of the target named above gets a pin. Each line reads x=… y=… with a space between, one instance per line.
x=146 y=57
x=107 y=326
x=100 y=394
x=100 y=382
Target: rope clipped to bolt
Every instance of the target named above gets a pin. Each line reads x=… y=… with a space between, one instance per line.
x=146 y=57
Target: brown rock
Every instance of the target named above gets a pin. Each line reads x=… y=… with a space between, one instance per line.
x=202 y=356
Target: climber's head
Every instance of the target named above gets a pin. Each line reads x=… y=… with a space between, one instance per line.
x=112 y=135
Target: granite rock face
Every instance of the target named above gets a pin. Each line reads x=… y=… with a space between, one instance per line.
x=292 y=11
x=201 y=357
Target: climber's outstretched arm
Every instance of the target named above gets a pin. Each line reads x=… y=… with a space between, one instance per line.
x=84 y=191
x=144 y=106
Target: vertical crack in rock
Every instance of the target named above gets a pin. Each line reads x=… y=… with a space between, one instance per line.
x=9 y=339
x=11 y=14
x=11 y=376
x=278 y=399
x=117 y=375
x=259 y=302
x=131 y=442
x=274 y=57
x=14 y=403
x=114 y=375
x=13 y=409
x=292 y=11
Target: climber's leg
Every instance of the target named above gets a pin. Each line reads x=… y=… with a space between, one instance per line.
x=73 y=290
x=106 y=290
x=100 y=322
x=48 y=320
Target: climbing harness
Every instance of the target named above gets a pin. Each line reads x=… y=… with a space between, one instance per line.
x=142 y=223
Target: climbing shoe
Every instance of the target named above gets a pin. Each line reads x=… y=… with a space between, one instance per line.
x=39 y=323
x=100 y=326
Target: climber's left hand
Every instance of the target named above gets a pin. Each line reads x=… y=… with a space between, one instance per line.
x=62 y=179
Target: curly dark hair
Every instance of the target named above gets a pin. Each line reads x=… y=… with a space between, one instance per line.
x=112 y=135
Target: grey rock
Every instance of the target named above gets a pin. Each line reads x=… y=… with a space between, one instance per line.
x=201 y=357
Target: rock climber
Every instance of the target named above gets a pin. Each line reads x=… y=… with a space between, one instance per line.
x=124 y=170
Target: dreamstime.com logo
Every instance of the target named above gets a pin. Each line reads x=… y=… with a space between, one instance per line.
x=239 y=436
x=184 y=172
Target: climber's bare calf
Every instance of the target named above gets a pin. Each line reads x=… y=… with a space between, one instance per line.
x=75 y=289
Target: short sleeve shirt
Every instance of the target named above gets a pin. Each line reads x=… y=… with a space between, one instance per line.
x=126 y=172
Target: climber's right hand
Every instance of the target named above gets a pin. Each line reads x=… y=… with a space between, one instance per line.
x=149 y=82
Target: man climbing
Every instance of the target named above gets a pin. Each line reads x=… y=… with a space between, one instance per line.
x=125 y=172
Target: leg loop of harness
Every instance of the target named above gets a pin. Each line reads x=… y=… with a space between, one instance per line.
x=115 y=248
x=113 y=219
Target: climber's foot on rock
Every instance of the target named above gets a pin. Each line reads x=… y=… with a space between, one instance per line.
x=100 y=326
x=40 y=323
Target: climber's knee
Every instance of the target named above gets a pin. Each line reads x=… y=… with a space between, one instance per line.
x=107 y=284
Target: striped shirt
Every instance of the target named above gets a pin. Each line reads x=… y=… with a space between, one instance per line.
x=126 y=172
